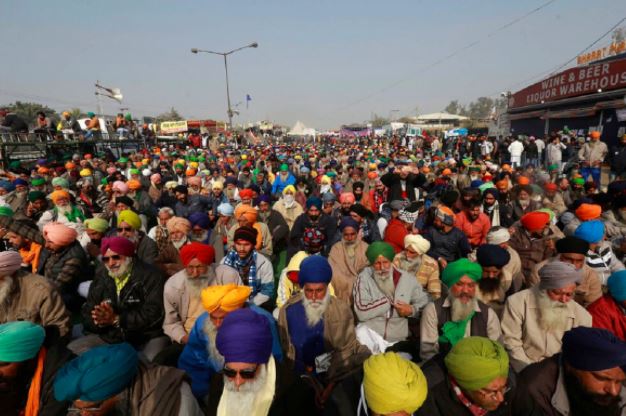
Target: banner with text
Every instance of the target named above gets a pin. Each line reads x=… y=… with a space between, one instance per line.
x=168 y=127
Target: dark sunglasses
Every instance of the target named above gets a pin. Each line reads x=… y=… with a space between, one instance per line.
x=113 y=257
x=246 y=374
x=120 y=229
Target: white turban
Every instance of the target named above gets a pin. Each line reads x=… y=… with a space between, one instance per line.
x=498 y=236
x=417 y=243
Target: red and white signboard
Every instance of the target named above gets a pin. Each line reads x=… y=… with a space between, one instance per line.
x=573 y=82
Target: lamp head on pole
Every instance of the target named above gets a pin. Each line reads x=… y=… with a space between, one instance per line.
x=253 y=45
x=194 y=50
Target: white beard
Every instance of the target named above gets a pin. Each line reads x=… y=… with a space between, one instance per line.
x=64 y=209
x=384 y=281
x=459 y=310
x=116 y=274
x=6 y=286
x=178 y=244
x=243 y=399
x=134 y=239
x=199 y=237
x=314 y=310
x=289 y=201
x=524 y=203
x=411 y=265
x=196 y=284
x=211 y=333
x=552 y=313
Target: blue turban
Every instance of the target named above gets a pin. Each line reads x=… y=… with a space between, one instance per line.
x=245 y=337
x=492 y=191
x=7 y=185
x=593 y=349
x=348 y=222
x=98 y=374
x=617 y=285
x=304 y=170
x=225 y=209
x=314 y=201
x=20 y=341
x=491 y=255
x=476 y=183
x=315 y=269
x=264 y=198
x=590 y=231
x=20 y=181
x=201 y=219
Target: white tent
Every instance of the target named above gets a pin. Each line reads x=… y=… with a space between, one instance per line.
x=440 y=116
x=299 y=129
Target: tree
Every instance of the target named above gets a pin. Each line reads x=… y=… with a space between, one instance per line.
x=618 y=35
x=378 y=121
x=77 y=113
x=406 y=120
x=28 y=111
x=454 y=107
x=171 y=115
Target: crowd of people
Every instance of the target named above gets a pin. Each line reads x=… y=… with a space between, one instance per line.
x=388 y=277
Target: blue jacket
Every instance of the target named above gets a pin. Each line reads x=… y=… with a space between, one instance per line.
x=279 y=184
x=200 y=366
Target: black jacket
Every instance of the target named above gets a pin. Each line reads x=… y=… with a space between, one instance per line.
x=139 y=305
x=326 y=224
x=393 y=182
x=617 y=156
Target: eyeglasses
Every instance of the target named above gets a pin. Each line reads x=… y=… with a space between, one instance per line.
x=493 y=394
x=246 y=373
x=115 y=257
x=120 y=229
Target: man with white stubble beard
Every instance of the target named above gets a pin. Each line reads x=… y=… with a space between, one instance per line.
x=534 y=320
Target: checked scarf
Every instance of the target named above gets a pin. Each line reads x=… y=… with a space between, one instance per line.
x=233 y=260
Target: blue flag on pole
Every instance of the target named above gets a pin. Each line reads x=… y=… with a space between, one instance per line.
x=248 y=99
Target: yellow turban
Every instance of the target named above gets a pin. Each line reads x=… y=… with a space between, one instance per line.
x=392 y=384
x=218 y=185
x=289 y=188
x=85 y=172
x=225 y=297
x=56 y=195
x=246 y=210
x=130 y=218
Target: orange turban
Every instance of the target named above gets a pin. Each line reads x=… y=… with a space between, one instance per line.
x=56 y=195
x=59 y=234
x=551 y=186
x=586 y=212
x=178 y=224
x=246 y=210
x=594 y=135
x=502 y=183
x=225 y=297
x=70 y=165
x=446 y=172
x=535 y=221
x=190 y=172
x=523 y=180
x=372 y=175
x=133 y=184
x=246 y=193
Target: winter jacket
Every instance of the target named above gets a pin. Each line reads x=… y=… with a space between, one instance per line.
x=476 y=231
x=608 y=314
x=617 y=157
x=374 y=309
x=451 y=246
x=593 y=152
x=326 y=224
x=279 y=184
x=139 y=305
x=532 y=250
x=394 y=182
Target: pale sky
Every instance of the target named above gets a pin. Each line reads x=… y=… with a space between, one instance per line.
x=325 y=63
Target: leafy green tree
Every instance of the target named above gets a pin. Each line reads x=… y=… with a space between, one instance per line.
x=378 y=121
x=481 y=108
x=28 y=111
x=454 y=107
x=171 y=115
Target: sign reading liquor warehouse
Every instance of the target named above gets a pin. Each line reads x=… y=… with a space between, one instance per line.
x=573 y=82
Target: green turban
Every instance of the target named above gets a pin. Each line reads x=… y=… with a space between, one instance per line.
x=134 y=171
x=474 y=362
x=20 y=341
x=62 y=182
x=122 y=160
x=379 y=248
x=553 y=167
x=38 y=181
x=284 y=167
x=15 y=164
x=6 y=211
x=97 y=224
x=578 y=181
x=130 y=218
x=462 y=267
x=179 y=166
x=36 y=196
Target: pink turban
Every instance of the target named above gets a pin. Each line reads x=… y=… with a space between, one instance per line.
x=10 y=262
x=59 y=234
x=154 y=178
x=178 y=224
x=194 y=180
x=111 y=170
x=120 y=186
x=119 y=245
x=347 y=197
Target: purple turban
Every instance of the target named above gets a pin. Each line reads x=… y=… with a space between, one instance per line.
x=264 y=198
x=245 y=337
x=348 y=222
x=201 y=219
x=119 y=245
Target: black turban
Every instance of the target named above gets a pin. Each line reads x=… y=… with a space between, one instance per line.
x=491 y=255
x=593 y=349
x=572 y=244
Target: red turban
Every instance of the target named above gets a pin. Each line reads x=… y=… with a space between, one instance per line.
x=523 y=180
x=245 y=193
x=119 y=245
x=535 y=221
x=203 y=252
x=551 y=187
x=586 y=212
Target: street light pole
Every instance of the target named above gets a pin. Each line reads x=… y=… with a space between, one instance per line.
x=229 y=110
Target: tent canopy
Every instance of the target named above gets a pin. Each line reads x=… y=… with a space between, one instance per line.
x=299 y=129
